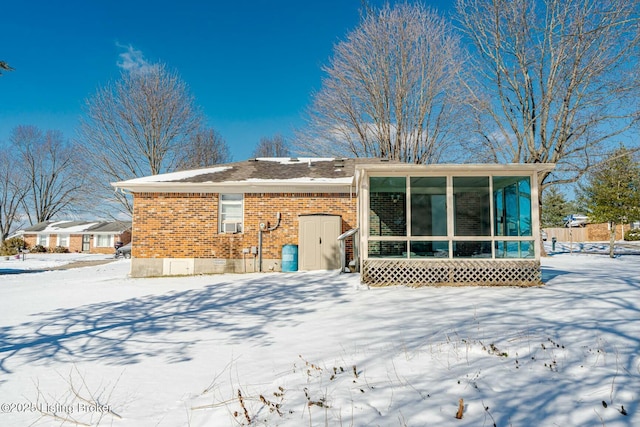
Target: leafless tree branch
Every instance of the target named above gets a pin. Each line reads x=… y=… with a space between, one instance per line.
x=4 y=66
x=391 y=90
x=50 y=166
x=140 y=125
x=275 y=146
x=556 y=80
x=12 y=193
x=206 y=148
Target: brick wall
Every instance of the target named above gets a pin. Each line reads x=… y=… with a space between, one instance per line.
x=124 y=237
x=75 y=243
x=386 y=216
x=601 y=232
x=472 y=215
x=185 y=225
x=30 y=239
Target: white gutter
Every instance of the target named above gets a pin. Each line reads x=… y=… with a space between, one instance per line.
x=271 y=186
x=457 y=167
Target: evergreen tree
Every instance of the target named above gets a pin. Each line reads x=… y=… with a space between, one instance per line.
x=554 y=208
x=613 y=192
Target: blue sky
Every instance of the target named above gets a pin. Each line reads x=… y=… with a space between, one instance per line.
x=251 y=65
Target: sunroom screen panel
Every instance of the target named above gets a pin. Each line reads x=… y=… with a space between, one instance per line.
x=428 y=206
x=387 y=206
x=472 y=206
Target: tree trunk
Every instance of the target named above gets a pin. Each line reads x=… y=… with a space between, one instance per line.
x=612 y=239
x=543 y=251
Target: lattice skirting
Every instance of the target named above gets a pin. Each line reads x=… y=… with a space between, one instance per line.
x=451 y=272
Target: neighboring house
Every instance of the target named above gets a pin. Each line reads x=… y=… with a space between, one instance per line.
x=78 y=236
x=418 y=224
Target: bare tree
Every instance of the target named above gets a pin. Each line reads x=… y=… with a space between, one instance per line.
x=50 y=167
x=12 y=192
x=556 y=79
x=137 y=126
x=391 y=90
x=206 y=148
x=275 y=146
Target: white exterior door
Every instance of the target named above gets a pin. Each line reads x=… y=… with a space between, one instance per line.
x=318 y=242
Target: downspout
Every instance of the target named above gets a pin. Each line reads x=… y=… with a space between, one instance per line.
x=263 y=228
x=260 y=247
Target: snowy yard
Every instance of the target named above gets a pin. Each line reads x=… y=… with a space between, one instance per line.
x=312 y=349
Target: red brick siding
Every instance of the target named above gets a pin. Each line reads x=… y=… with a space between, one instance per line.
x=472 y=214
x=75 y=243
x=185 y=225
x=30 y=239
x=602 y=233
x=384 y=215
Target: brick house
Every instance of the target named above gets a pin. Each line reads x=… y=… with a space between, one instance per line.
x=96 y=237
x=237 y=217
x=417 y=224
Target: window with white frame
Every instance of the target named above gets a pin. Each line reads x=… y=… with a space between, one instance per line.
x=43 y=240
x=231 y=213
x=103 y=240
x=63 y=240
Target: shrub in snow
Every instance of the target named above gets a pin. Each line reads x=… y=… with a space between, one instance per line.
x=12 y=246
x=60 y=250
x=632 y=234
x=39 y=249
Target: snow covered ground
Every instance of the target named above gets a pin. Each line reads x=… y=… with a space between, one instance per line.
x=92 y=346
x=35 y=262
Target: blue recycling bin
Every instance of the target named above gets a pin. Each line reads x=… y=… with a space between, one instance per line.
x=289 y=258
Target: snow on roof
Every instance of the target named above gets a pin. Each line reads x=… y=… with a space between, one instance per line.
x=346 y=181
x=264 y=170
x=77 y=227
x=302 y=171
x=184 y=175
x=178 y=176
x=68 y=226
x=295 y=160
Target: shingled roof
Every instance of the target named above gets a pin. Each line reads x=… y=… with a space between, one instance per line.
x=262 y=172
x=279 y=169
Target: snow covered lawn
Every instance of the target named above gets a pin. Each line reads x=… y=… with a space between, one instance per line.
x=31 y=262
x=93 y=346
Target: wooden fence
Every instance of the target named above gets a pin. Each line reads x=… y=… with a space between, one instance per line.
x=590 y=233
x=573 y=234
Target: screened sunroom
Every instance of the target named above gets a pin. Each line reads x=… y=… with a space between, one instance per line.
x=450 y=224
